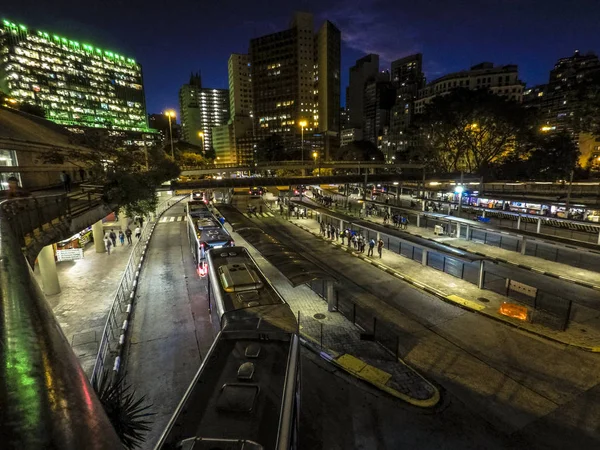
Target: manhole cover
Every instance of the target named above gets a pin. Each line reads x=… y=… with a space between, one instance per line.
x=483 y=299
x=319 y=316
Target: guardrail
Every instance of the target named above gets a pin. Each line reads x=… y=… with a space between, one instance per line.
x=46 y=401
x=113 y=335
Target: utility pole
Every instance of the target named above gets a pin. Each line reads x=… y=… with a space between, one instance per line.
x=569 y=192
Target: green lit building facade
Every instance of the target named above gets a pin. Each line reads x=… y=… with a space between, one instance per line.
x=77 y=84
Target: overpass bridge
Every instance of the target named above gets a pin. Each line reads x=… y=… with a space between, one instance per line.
x=289 y=181
x=309 y=164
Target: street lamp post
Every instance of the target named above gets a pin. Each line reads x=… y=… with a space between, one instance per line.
x=302 y=124
x=315 y=156
x=171 y=114
x=201 y=136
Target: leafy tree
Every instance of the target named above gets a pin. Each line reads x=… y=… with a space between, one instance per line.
x=129 y=175
x=270 y=149
x=211 y=153
x=359 y=151
x=323 y=172
x=549 y=158
x=191 y=159
x=466 y=130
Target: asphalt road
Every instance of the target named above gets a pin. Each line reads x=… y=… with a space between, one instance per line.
x=529 y=389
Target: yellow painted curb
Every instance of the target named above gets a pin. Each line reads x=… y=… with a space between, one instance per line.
x=466 y=303
x=379 y=378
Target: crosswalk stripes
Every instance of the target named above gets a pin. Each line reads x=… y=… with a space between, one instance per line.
x=258 y=215
x=166 y=219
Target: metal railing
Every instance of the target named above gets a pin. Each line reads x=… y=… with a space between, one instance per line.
x=113 y=335
x=46 y=401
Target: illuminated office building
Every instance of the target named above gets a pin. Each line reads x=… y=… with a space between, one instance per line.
x=77 y=84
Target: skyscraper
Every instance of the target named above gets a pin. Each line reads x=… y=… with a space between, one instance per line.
x=189 y=110
x=77 y=84
x=364 y=70
x=241 y=123
x=295 y=79
x=202 y=109
x=407 y=78
x=327 y=85
x=378 y=100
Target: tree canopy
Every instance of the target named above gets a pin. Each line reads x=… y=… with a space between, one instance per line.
x=359 y=151
x=129 y=175
x=466 y=130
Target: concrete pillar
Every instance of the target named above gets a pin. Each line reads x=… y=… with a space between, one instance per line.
x=450 y=208
x=519 y=222
x=341 y=224
x=481 y=274
x=523 y=245
x=48 y=271
x=378 y=236
x=418 y=220
x=598 y=237
x=458 y=230
x=483 y=214
x=330 y=296
x=123 y=220
x=423 y=204
x=468 y=230
x=539 y=225
x=424 y=257
x=98 y=234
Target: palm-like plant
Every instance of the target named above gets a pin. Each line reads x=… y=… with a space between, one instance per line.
x=128 y=416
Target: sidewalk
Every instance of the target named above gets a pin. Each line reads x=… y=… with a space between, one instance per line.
x=583 y=331
x=577 y=275
x=87 y=292
x=339 y=341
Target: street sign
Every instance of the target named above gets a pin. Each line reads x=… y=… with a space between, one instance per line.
x=70 y=254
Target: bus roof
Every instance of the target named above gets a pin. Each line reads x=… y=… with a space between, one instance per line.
x=236 y=394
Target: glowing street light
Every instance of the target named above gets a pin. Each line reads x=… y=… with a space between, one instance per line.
x=201 y=136
x=302 y=124
x=171 y=115
x=315 y=156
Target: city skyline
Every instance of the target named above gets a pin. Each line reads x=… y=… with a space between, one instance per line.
x=450 y=40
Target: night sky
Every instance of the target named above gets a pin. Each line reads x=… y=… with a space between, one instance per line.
x=175 y=37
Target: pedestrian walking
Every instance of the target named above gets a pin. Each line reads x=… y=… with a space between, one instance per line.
x=322 y=228
x=113 y=237
x=81 y=175
x=380 y=247
x=371 y=247
x=128 y=234
x=108 y=244
x=141 y=222
x=138 y=233
x=342 y=236
x=66 y=181
x=349 y=236
x=337 y=233
x=122 y=237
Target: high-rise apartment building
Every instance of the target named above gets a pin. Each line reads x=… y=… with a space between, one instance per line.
x=365 y=69
x=378 y=100
x=202 y=109
x=295 y=79
x=328 y=43
x=501 y=80
x=241 y=123
x=559 y=103
x=407 y=78
x=77 y=84
x=189 y=110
